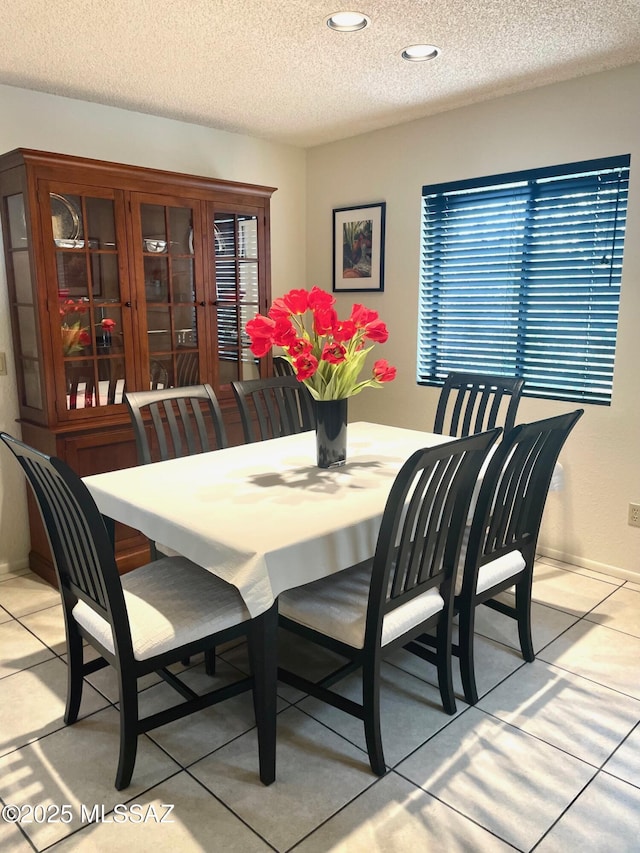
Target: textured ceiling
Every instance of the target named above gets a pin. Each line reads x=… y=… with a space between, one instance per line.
x=273 y=69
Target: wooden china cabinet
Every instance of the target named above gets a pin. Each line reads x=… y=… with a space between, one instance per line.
x=119 y=278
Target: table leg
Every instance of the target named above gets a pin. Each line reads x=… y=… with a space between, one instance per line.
x=263 y=648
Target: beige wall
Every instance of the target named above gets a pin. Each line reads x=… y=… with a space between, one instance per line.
x=33 y=120
x=586 y=118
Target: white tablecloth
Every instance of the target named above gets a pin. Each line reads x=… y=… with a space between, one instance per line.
x=263 y=516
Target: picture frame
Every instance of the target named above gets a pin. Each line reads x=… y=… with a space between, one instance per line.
x=358 y=248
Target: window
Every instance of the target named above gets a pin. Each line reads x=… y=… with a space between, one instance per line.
x=520 y=276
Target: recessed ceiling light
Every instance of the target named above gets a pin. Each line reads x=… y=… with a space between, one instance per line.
x=347 y=22
x=420 y=52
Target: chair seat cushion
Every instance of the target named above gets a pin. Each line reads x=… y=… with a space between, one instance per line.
x=170 y=602
x=494 y=572
x=336 y=606
x=498 y=570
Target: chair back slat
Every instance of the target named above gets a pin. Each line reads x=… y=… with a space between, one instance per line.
x=514 y=491
x=421 y=555
x=282 y=366
x=475 y=402
x=82 y=551
x=77 y=548
x=423 y=524
x=280 y=405
x=184 y=421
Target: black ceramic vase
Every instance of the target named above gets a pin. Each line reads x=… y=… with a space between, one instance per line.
x=331 y=432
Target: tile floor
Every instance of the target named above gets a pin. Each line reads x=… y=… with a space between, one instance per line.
x=548 y=760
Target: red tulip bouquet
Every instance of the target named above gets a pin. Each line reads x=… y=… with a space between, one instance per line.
x=326 y=353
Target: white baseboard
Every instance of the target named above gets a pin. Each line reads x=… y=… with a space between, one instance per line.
x=17 y=567
x=584 y=563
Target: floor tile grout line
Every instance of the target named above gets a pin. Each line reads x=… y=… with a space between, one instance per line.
x=61 y=728
x=229 y=809
x=564 y=811
x=579 y=570
x=590 y=680
x=18 y=825
x=541 y=739
x=123 y=801
x=635 y=728
x=611 y=775
x=456 y=810
x=376 y=781
x=578 y=619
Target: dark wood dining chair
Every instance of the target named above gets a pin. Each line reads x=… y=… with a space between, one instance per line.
x=372 y=608
x=474 y=402
x=282 y=366
x=278 y=405
x=142 y=622
x=182 y=421
x=504 y=533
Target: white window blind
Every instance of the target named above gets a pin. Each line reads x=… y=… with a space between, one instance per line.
x=520 y=275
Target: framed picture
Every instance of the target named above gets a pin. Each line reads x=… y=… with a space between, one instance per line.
x=358 y=248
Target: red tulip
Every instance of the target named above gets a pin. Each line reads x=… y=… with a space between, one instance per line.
x=305 y=366
x=320 y=299
x=383 y=372
x=297 y=301
x=362 y=316
x=334 y=353
x=376 y=331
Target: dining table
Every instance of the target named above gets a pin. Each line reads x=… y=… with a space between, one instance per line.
x=263 y=516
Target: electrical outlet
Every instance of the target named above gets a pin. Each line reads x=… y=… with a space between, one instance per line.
x=634 y=515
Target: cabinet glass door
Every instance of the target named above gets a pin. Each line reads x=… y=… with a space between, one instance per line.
x=21 y=294
x=92 y=330
x=236 y=245
x=170 y=295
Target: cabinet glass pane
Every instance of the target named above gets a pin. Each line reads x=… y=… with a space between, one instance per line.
x=27 y=331
x=32 y=389
x=92 y=383
x=248 y=278
x=75 y=327
x=185 y=329
x=101 y=225
x=156 y=279
x=22 y=277
x=226 y=287
x=105 y=281
x=159 y=374
x=110 y=381
x=159 y=328
x=81 y=384
x=187 y=367
x=73 y=278
x=66 y=221
x=154 y=228
x=17 y=221
x=225 y=234
x=107 y=330
x=180 y=231
x=182 y=280
x=247 y=237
